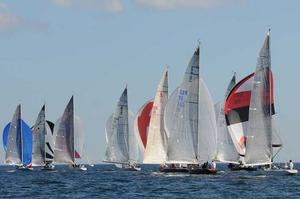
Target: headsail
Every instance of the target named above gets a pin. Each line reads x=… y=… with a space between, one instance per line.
x=207 y=129
x=259 y=137
x=64 y=151
x=226 y=151
x=156 y=149
x=181 y=116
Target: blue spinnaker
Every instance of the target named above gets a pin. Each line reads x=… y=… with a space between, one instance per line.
x=26 y=144
x=5 y=136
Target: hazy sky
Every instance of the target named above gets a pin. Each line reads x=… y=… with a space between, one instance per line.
x=52 y=49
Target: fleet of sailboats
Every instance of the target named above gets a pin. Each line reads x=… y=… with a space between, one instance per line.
x=183 y=132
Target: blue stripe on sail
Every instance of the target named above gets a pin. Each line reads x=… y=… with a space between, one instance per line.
x=27 y=144
x=5 y=136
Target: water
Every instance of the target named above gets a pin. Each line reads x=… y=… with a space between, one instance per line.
x=106 y=181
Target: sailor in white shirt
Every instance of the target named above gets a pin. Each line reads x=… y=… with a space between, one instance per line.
x=213 y=165
x=291 y=165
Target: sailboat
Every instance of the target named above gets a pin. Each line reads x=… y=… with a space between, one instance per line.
x=17 y=142
x=156 y=148
x=250 y=114
x=69 y=137
x=190 y=124
x=122 y=145
x=43 y=143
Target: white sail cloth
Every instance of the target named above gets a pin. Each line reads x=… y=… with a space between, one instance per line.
x=190 y=119
x=156 y=148
x=122 y=144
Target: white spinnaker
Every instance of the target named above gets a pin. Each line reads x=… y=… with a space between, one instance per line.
x=117 y=132
x=156 y=148
x=64 y=136
x=38 y=139
x=259 y=139
x=226 y=151
x=13 y=155
x=207 y=129
x=181 y=117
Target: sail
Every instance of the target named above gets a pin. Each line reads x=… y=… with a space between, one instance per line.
x=156 y=149
x=38 y=139
x=5 y=136
x=259 y=137
x=181 y=117
x=49 y=140
x=142 y=121
x=19 y=145
x=79 y=135
x=136 y=152
x=64 y=136
x=117 y=133
x=226 y=151
x=207 y=137
x=236 y=109
x=276 y=140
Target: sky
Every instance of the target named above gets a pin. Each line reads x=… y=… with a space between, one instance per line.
x=53 y=49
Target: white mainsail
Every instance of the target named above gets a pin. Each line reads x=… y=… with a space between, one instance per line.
x=121 y=139
x=259 y=137
x=64 y=151
x=156 y=150
x=13 y=155
x=181 y=117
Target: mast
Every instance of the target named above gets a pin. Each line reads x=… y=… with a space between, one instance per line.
x=21 y=133
x=127 y=127
x=45 y=131
x=198 y=100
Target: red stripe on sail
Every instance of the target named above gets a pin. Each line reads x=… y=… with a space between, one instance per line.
x=143 y=122
x=238 y=99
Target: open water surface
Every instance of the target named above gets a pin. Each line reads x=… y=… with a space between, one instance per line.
x=107 y=181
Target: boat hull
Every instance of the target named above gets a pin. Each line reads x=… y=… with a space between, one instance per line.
x=203 y=171
x=241 y=167
x=174 y=170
